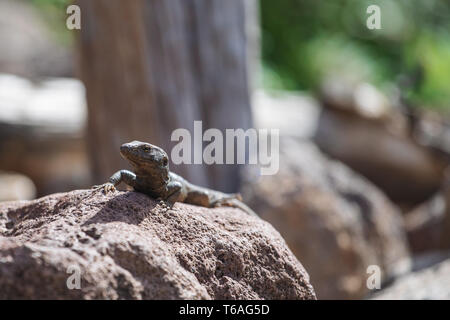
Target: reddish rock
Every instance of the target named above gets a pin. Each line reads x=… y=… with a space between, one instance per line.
x=428 y=225
x=127 y=246
x=335 y=221
x=362 y=128
x=432 y=283
x=406 y=171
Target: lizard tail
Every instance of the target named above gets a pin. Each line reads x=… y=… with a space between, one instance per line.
x=236 y=203
x=237 y=196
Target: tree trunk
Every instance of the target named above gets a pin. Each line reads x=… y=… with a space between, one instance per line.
x=152 y=66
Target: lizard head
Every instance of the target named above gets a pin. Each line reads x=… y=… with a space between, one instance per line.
x=145 y=156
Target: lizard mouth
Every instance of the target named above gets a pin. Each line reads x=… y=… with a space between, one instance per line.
x=129 y=153
x=125 y=151
x=132 y=160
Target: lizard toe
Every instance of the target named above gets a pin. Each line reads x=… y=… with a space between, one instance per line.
x=108 y=187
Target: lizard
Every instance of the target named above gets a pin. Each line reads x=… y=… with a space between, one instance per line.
x=151 y=176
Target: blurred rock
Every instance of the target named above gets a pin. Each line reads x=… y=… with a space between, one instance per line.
x=41 y=132
x=432 y=130
x=430 y=258
x=127 y=246
x=428 y=226
x=294 y=114
x=364 y=101
x=372 y=137
x=14 y=186
x=27 y=47
x=432 y=283
x=336 y=222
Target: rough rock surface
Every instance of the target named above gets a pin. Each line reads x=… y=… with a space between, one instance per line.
x=432 y=283
x=127 y=246
x=336 y=222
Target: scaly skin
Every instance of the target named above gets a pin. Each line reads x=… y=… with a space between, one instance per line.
x=151 y=175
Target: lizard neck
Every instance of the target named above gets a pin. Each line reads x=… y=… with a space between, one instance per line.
x=154 y=178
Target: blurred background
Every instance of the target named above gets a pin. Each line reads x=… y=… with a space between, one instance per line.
x=363 y=117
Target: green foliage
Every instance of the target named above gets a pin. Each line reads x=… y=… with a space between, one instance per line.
x=304 y=40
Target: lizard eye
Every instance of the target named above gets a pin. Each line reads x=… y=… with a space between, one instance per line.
x=165 y=161
x=146 y=148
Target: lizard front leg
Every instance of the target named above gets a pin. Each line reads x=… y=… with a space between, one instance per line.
x=125 y=176
x=175 y=192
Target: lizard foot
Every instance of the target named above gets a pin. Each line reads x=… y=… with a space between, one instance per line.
x=165 y=205
x=106 y=187
x=238 y=196
x=221 y=203
x=227 y=200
